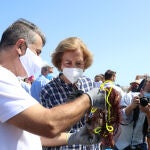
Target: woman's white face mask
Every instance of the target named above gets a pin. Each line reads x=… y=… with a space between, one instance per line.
x=72 y=74
x=31 y=63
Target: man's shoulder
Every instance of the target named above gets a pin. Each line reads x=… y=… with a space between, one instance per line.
x=7 y=76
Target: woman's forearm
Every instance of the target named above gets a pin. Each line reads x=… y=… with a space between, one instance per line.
x=59 y=140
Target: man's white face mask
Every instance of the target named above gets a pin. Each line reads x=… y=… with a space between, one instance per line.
x=72 y=74
x=31 y=63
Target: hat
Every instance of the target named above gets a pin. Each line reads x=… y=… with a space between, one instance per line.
x=136 y=81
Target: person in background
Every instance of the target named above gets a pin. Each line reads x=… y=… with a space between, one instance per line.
x=141 y=77
x=42 y=80
x=135 y=125
x=25 y=83
x=49 y=76
x=31 y=79
x=110 y=78
x=99 y=78
x=133 y=86
x=71 y=57
x=22 y=119
x=26 y=79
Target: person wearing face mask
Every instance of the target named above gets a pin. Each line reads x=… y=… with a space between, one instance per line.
x=49 y=76
x=32 y=61
x=136 y=120
x=71 y=57
x=40 y=82
x=23 y=120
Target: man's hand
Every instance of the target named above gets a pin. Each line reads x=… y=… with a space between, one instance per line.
x=83 y=137
x=97 y=97
x=135 y=102
x=146 y=110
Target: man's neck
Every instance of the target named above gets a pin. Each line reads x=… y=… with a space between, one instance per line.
x=12 y=63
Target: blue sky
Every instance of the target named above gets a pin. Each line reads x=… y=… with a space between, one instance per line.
x=116 y=31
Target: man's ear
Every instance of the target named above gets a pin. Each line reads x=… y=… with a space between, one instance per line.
x=21 y=47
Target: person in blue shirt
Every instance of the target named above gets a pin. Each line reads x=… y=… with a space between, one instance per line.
x=42 y=80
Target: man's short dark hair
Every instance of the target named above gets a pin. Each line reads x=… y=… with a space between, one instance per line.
x=45 y=68
x=21 y=28
x=108 y=74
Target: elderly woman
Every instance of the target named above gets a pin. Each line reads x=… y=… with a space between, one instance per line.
x=71 y=57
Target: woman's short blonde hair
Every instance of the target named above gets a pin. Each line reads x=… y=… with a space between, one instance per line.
x=71 y=44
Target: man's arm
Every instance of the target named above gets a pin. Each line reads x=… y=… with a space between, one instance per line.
x=50 y=122
x=129 y=109
x=146 y=110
